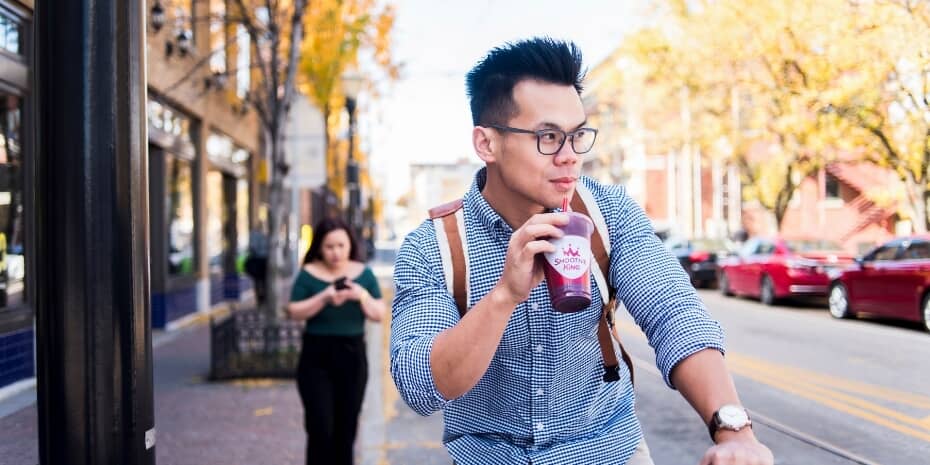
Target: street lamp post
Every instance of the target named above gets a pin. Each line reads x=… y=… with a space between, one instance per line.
x=351 y=85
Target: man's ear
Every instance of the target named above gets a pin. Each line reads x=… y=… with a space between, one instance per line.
x=486 y=144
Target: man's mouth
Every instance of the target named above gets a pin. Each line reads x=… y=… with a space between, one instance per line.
x=563 y=184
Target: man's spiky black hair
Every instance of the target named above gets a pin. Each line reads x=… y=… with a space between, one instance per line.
x=490 y=83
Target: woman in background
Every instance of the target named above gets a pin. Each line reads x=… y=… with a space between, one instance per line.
x=334 y=293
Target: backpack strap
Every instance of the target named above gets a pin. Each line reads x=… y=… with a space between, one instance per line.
x=449 y=223
x=583 y=202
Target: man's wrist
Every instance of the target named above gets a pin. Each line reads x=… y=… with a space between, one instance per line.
x=726 y=435
x=502 y=299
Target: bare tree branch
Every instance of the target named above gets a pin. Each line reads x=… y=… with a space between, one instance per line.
x=255 y=36
x=199 y=64
x=293 y=58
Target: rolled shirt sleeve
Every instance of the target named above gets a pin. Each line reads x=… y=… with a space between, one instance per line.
x=422 y=308
x=656 y=290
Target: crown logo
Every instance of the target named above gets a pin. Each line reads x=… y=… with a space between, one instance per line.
x=571 y=252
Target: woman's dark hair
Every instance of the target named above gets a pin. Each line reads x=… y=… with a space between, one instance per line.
x=321 y=230
x=490 y=83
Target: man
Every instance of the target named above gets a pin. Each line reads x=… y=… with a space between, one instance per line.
x=256 y=264
x=520 y=383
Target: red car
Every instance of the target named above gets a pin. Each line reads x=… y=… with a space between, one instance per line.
x=775 y=268
x=891 y=281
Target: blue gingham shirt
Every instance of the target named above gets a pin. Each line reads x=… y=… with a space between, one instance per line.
x=543 y=400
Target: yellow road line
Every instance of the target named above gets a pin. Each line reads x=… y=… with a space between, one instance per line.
x=807 y=384
x=833 y=403
x=782 y=379
x=878 y=392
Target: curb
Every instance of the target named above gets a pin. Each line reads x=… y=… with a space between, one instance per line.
x=195 y=319
x=23 y=392
x=16 y=396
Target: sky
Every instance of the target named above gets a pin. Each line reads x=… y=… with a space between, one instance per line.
x=424 y=117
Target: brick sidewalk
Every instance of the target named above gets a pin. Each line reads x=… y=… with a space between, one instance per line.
x=252 y=422
x=197 y=422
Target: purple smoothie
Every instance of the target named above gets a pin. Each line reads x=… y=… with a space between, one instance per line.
x=567 y=269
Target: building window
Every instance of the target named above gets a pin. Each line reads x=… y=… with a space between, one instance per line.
x=11 y=34
x=243 y=62
x=12 y=249
x=217 y=241
x=170 y=122
x=179 y=206
x=227 y=196
x=225 y=154
x=242 y=223
x=218 y=36
x=831 y=187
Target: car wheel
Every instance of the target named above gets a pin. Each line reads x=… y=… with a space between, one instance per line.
x=767 y=291
x=926 y=312
x=839 y=302
x=724 y=283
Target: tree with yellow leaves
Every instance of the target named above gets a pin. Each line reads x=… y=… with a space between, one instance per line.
x=761 y=76
x=338 y=30
x=891 y=107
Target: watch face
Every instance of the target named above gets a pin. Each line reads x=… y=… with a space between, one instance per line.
x=733 y=416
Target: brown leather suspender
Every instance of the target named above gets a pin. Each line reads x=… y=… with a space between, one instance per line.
x=610 y=302
x=446 y=220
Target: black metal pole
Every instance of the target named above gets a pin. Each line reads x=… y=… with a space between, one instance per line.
x=352 y=178
x=93 y=321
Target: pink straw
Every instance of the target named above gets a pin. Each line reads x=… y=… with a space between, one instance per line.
x=565 y=207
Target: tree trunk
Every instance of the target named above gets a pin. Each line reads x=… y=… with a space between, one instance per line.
x=925 y=221
x=275 y=222
x=917 y=201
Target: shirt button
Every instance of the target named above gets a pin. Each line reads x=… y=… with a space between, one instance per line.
x=540 y=426
x=539 y=348
x=535 y=306
x=539 y=392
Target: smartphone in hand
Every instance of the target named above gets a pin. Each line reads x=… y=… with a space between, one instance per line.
x=340 y=283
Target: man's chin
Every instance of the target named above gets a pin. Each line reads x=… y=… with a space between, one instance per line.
x=556 y=199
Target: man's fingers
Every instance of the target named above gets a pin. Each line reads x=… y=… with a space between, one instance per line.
x=537 y=231
x=557 y=219
x=535 y=247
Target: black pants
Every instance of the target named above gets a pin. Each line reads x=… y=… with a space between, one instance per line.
x=331 y=378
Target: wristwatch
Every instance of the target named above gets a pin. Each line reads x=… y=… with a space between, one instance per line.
x=730 y=417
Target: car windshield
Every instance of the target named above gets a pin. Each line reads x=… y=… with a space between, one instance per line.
x=811 y=245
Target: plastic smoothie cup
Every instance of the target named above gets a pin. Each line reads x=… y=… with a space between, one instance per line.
x=567 y=269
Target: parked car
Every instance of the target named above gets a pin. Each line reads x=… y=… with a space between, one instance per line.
x=892 y=281
x=699 y=258
x=775 y=268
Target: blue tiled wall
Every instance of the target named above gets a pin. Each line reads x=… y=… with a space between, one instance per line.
x=217 y=289
x=16 y=356
x=173 y=305
x=245 y=284
x=235 y=285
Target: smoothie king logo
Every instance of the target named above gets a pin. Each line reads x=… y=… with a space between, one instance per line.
x=572 y=256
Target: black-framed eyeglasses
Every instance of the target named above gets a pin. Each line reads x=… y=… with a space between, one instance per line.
x=550 y=141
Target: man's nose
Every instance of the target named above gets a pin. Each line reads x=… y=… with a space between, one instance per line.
x=565 y=155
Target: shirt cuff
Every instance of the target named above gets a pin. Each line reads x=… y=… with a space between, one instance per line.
x=418 y=387
x=680 y=347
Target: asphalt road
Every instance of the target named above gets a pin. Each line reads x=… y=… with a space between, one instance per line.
x=821 y=391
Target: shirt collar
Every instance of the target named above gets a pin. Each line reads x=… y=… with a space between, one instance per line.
x=484 y=213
